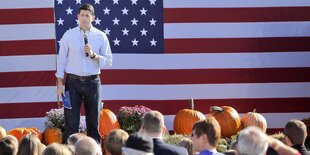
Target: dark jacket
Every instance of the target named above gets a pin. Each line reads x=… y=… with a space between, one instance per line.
x=161 y=148
x=302 y=149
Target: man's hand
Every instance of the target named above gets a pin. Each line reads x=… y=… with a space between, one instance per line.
x=60 y=88
x=88 y=49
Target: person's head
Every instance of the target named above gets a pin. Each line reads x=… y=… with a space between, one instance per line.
x=114 y=141
x=295 y=132
x=252 y=141
x=8 y=146
x=74 y=138
x=29 y=144
x=86 y=146
x=56 y=149
x=188 y=144
x=153 y=123
x=85 y=16
x=12 y=138
x=206 y=134
x=138 y=144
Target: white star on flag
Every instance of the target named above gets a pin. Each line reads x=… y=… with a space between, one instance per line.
x=60 y=21
x=115 y=1
x=97 y=21
x=107 y=31
x=78 y=1
x=69 y=10
x=153 y=42
x=116 y=42
x=125 y=31
x=152 y=2
x=115 y=21
x=134 y=42
x=106 y=10
x=125 y=11
x=134 y=2
x=134 y=21
x=143 y=11
x=97 y=1
x=143 y=32
x=153 y=22
x=59 y=2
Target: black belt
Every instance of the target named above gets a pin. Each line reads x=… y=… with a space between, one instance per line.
x=82 y=78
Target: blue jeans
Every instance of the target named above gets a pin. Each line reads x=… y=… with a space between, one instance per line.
x=87 y=90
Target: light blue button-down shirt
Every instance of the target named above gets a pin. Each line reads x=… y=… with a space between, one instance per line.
x=72 y=58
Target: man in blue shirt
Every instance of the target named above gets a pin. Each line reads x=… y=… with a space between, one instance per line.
x=83 y=51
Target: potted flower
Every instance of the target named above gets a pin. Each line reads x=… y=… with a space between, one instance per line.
x=55 y=125
x=130 y=118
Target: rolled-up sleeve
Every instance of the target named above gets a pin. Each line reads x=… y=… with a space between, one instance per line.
x=105 y=54
x=62 y=57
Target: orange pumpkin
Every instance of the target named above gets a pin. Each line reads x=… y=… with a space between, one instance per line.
x=186 y=118
x=108 y=122
x=254 y=119
x=19 y=133
x=228 y=118
x=52 y=135
x=2 y=132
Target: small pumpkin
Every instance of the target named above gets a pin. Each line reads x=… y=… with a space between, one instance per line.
x=108 y=122
x=52 y=135
x=186 y=118
x=19 y=133
x=254 y=119
x=2 y=132
x=228 y=118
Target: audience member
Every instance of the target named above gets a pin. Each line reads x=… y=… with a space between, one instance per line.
x=114 y=142
x=75 y=137
x=206 y=135
x=56 y=149
x=8 y=146
x=30 y=145
x=188 y=144
x=86 y=146
x=295 y=132
x=138 y=144
x=153 y=126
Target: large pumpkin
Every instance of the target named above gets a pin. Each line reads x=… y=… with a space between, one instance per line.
x=186 y=118
x=19 y=133
x=254 y=119
x=2 y=132
x=228 y=118
x=108 y=122
x=52 y=135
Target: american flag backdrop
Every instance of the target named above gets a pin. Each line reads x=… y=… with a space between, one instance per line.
x=245 y=54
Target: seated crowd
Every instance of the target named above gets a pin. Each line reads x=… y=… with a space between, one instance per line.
x=149 y=141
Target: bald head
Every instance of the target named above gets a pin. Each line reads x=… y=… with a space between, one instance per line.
x=86 y=146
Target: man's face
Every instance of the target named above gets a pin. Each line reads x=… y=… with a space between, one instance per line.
x=198 y=142
x=85 y=18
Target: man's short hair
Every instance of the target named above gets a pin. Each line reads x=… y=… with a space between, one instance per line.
x=210 y=127
x=86 y=146
x=115 y=140
x=252 y=141
x=74 y=138
x=153 y=121
x=87 y=7
x=8 y=146
x=296 y=131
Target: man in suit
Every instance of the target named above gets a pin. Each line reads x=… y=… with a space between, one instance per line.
x=153 y=126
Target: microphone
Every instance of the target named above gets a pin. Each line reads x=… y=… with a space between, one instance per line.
x=86 y=41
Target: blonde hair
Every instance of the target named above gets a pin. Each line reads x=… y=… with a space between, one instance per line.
x=56 y=149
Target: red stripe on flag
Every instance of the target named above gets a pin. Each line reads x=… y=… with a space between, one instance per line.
x=27 y=47
x=189 y=76
x=270 y=14
x=169 y=107
x=27 y=16
x=236 y=45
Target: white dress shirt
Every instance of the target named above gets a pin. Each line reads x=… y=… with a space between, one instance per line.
x=72 y=58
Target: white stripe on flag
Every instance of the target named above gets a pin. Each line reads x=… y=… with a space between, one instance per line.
x=169 y=61
x=167 y=92
x=20 y=4
x=233 y=4
x=27 y=32
x=236 y=30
